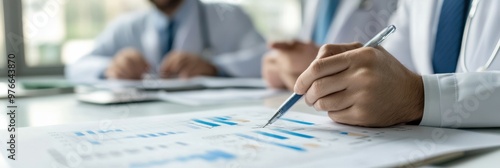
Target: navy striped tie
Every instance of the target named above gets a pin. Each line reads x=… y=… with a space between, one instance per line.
x=167 y=38
x=325 y=14
x=449 y=35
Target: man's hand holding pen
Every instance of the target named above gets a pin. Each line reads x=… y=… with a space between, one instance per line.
x=359 y=79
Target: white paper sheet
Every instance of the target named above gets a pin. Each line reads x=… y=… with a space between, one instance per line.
x=117 y=96
x=217 y=96
x=232 y=138
x=183 y=84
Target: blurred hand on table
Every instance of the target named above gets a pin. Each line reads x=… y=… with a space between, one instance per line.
x=286 y=61
x=128 y=63
x=186 y=65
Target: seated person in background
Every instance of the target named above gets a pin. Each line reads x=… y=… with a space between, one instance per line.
x=325 y=21
x=171 y=40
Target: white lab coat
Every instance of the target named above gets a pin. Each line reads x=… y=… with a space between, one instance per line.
x=237 y=47
x=451 y=100
x=354 y=20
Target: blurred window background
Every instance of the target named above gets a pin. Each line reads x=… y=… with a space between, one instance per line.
x=2 y=39
x=58 y=32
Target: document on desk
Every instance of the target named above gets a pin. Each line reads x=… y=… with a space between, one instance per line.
x=217 y=96
x=234 y=138
x=183 y=84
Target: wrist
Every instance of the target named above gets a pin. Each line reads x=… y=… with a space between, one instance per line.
x=418 y=99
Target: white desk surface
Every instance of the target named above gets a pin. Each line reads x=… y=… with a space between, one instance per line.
x=65 y=109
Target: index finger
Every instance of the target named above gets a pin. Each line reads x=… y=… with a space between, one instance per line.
x=320 y=68
x=331 y=59
x=334 y=49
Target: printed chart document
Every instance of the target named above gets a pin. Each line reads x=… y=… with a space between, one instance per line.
x=234 y=138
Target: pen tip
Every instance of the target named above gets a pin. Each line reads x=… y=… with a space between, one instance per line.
x=265 y=125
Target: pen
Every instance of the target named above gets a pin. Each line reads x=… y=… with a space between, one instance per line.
x=375 y=41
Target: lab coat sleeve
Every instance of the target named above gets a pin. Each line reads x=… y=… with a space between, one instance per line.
x=91 y=67
x=398 y=44
x=462 y=100
x=246 y=60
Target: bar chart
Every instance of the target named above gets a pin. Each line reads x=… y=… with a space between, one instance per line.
x=214 y=139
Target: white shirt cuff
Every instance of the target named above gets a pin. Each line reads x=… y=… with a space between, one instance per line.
x=440 y=92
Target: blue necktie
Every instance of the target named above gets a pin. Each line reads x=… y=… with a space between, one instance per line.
x=449 y=35
x=167 y=38
x=326 y=10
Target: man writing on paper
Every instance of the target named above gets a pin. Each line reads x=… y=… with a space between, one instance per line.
x=325 y=21
x=171 y=40
x=426 y=76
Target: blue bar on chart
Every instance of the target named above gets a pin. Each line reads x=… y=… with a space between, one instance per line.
x=271 y=135
x=294 y=133
x=193 y=127
x=149 y=148
x=222 y=118
x=297 y=121
x=106 y=131
x=94 y=142
x=151 y=135
x=98 y=131
x=296 y=148
x=206 y=123
x=132 y=151
x=208 y=156
x=351 y=134
x=182 y=143
x=79 y=134
x=223 y=121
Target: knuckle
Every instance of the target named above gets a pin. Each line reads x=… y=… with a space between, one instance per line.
x=370 y=51
x=336 y=104
x=326 y=50
x=365 y=74
x=317 y=67
x=316 y=87
x=308 y=100
x=368 y=55
x=326 y=47
x=330 y=47
x=335 y=117
x=321 y=104
x=361 y=116
x=368 y=82
x=356 y=45
x=299 y=85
